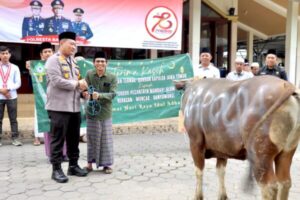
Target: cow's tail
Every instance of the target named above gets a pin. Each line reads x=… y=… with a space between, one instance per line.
x=288 y=90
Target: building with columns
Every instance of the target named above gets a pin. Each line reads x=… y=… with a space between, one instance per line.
x=249 y=22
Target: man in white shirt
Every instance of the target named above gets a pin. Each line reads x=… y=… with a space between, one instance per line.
x=206 y=68
x=10 y=81
x=239 y=74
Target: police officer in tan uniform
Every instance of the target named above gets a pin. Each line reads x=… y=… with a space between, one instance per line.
x=63 y=105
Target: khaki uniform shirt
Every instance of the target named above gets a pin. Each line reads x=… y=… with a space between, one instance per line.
x=62 y=78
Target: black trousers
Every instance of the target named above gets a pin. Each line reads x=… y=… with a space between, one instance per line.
x=64 y=126
x=12 y=114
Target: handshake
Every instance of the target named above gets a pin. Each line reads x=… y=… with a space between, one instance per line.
x=82 y=84
x=94 y=95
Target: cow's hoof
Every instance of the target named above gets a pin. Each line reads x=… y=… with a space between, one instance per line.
x=223 y=197
x=198 y=197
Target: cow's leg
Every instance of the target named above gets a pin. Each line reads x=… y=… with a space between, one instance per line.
x=283 y=163
x=221 y=166
x=198 y=157
x=265 y=176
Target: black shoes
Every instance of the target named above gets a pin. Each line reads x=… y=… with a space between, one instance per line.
x=59 y=176
x=75 y=170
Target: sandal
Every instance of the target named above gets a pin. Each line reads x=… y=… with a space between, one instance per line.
x=36 y=143
x=107 y=170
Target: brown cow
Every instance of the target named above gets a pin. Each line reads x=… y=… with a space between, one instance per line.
x=255 y=119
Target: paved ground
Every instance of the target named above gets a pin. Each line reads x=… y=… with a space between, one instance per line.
x=147 y=166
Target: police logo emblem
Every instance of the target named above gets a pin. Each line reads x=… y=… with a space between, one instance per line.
x=35 y=3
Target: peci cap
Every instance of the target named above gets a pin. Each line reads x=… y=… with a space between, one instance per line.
x=77 y=54
x=67 y=35
x=205 y=50
x=272 y=51
x=45 y=45
x=100 y=54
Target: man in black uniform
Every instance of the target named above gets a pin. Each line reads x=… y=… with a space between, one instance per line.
x=35 y=24
x=82 y=29
x=271 y=67
x=57 y=24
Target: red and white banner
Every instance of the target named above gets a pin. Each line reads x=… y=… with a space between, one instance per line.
x=143 y=24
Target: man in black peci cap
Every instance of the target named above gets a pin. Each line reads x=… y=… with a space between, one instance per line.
x=99 y=125
x=206 y=69
x=271 y=67
x=63 y=105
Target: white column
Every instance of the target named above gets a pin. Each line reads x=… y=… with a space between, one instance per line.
x=298 y=58
x=250 y=47
x=194 y=31
x=233 y=43
x=153 y=53
x=291 y=40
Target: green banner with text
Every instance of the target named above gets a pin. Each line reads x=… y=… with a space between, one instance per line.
x=145 y=88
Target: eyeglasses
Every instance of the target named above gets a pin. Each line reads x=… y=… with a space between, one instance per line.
x=100 y=61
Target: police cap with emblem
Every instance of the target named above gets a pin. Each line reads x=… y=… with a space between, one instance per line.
x=67 y=35
x=36 y=3
x=78 y=11
x=100 y=54
x=272 y=51
x=57 y=3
